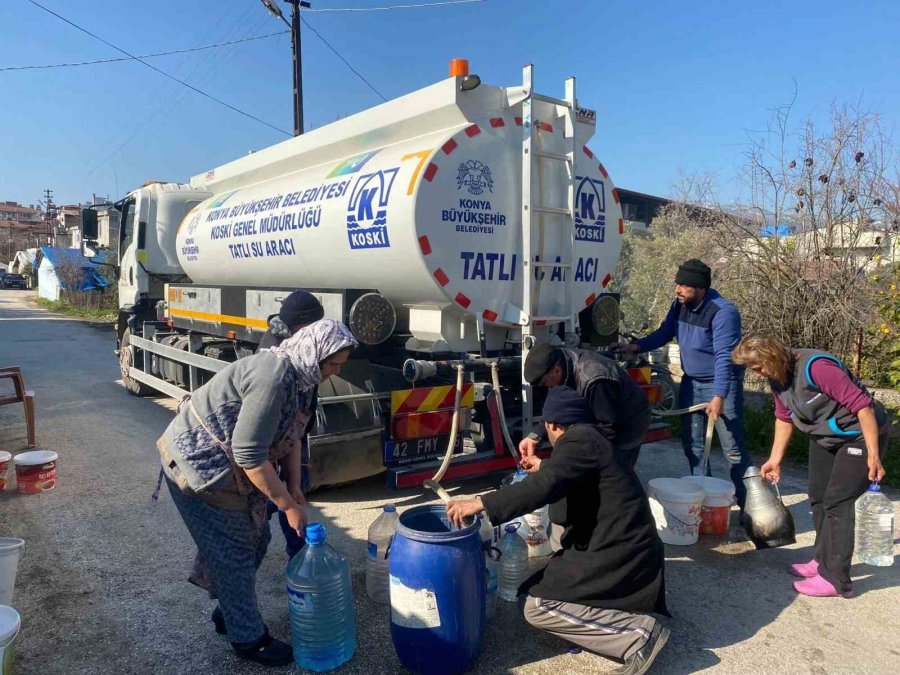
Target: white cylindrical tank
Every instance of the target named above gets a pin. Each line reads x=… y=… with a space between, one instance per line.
x=434 y=220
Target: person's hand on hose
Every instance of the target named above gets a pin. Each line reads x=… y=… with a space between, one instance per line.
x=460 y=509
x=876 y=468
x=527 y=447
x=296 y=517
x=714 y=407
x=625 y=347
x=771 y=471
x=531 y=464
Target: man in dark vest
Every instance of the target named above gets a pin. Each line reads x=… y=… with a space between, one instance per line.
x=617 y=405
x=599 y=590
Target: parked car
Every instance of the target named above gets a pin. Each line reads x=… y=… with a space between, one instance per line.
x=13 y=281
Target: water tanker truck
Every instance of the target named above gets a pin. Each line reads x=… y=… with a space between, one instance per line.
x=450 y=229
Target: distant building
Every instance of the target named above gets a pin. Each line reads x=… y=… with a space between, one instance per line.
x=639 y=209
x=16 y=212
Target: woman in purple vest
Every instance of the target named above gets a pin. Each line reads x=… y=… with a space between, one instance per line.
x=847 y=430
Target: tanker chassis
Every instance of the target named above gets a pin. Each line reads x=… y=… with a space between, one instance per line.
x=450 y=229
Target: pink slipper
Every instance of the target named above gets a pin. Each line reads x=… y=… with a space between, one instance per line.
x=817 y=587
x=805 y=570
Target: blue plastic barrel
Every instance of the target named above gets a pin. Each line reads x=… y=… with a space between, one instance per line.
x=437 y=592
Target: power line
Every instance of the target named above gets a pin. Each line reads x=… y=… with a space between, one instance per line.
x=338 y=54
x=145 y=56
x=161 y=72
x=383 y=9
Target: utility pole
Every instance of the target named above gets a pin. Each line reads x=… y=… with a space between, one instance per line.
x=49 y=212
x=294 y=25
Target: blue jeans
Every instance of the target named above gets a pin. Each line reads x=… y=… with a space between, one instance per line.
x=729 y=430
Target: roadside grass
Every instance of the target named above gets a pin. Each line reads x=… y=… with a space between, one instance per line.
x=64 y=307
x=759 y=429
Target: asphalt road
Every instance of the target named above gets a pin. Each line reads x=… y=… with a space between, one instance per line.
x=102 y=590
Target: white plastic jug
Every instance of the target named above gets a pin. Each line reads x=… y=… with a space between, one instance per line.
x=11 y=549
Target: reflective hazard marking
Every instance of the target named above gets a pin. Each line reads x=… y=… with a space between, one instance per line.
x=544 y=126
x=616 y=194
x=473 y=130
x=441 y=277
x=606 y=280
x=449 y=146
x=428 y=399
x=587 y=151
x=425 y=245
x=497 y=122
x=518 y=121
x=463 y=300
x=430 y=171
x=621 y=226
x=489 y=315
x=590 y=299
x=606 y=175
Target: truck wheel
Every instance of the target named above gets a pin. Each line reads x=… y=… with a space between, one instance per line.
x=126 y=361
x=669 y=398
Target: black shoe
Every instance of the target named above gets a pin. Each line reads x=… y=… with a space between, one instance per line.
x=640 y=662
x=218 y=620
x=267 y=651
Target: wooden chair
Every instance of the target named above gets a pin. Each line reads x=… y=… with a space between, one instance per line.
x=25 y=396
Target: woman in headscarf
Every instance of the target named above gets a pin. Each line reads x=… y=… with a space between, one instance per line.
x=847 y=430
x=218 y=457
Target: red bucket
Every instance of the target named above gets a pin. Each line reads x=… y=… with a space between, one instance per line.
x=4 y=465
x=36 y=471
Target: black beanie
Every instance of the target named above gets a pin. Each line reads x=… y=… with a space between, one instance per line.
x=300 y=308
x=694 y=273
x=565 y=406
x=541 y=358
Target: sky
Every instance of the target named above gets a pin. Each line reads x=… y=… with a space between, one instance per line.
x=678 y=87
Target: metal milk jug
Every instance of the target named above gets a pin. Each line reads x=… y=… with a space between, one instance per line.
x=766 y=519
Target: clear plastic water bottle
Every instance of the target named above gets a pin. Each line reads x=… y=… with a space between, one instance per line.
x=490 y=580
x=535 y=525
x=875 y=528
x=513 y=565
x=320 y=598
x=380 y=533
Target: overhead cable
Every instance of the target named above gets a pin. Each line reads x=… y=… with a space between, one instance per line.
x=161 y=72
x=338 y=54
x=421 y=5
x=146 y=56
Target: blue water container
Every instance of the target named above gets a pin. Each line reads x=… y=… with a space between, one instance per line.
x=437 y=592
x=320 y=599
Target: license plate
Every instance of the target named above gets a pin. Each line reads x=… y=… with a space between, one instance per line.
x=418 y=449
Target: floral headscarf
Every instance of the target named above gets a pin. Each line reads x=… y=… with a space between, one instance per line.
x=311 y=345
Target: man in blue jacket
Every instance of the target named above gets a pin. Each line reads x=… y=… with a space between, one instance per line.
x=708 y=328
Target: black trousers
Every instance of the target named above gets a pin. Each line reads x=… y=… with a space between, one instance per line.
x=837 y=477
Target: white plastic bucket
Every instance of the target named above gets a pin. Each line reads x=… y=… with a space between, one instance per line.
x=11 y=549
x=10 y=623
x=676 y=505
x=716 y=504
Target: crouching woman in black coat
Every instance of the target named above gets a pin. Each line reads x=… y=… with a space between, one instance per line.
x=599 y=589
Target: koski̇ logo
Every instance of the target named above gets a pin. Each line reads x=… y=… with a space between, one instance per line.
x=192 y=225
x=590 y=210
x=475 y=176
x=367 y=210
